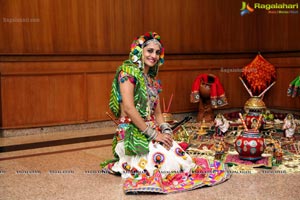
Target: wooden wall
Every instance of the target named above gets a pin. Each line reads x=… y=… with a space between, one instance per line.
x=58 y=57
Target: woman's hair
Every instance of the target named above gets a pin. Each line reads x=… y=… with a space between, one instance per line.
x=155 y=41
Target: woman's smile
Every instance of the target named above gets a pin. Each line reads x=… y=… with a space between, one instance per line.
x=151 y=54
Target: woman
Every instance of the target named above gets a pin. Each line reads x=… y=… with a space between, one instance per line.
x=145 y=154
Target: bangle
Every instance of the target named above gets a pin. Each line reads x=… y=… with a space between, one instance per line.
x=165 y=128
x=153 y=135
x=144 y=131
x=150 y=132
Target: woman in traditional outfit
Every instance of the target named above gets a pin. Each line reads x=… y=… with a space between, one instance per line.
x=289 y=126
x=145 y=154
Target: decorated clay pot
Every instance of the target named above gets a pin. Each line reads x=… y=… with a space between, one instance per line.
x=205 y=91
x=252 y=119
x=254 y=107
x=250 y=145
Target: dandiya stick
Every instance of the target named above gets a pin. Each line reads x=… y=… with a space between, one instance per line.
x=168 y=109
x=164 y=104
x=246 y=87
x=112 y=118
x=244 y=123
x=259 y=120
x=266 y=89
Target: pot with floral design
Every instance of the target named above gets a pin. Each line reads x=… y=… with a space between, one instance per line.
x=254 y=108
x=250 y=145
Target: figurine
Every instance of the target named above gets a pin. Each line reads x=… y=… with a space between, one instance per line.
x=254 y=123
x=278 y=153
x=219 y=148
x=221 y=124
x=278 y=156
x=289 y=126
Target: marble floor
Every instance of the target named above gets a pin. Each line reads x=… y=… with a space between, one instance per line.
x=71 y=171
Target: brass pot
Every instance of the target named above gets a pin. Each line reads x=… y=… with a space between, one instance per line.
x=168 y=117
x=254 y=103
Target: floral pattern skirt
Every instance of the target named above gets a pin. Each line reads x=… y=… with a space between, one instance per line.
x=166 y=171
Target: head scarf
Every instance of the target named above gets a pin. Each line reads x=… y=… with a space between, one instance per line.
x=136 y=52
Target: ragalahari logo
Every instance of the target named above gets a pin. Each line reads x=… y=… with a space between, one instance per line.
x=246 y=8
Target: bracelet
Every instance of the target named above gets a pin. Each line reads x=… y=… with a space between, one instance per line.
x=165 y=128
x=150 y=132
x=144 y=131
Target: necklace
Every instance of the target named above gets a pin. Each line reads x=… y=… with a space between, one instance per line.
x=147 y=83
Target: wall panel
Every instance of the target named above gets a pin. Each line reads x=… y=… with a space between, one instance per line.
x=44 y=99
x=52 y=93
x=58 y=67
x=177 y=83
x=107 y=27
x=195 y=27
x=98 y=92
x=68 y=26
x=278 y=32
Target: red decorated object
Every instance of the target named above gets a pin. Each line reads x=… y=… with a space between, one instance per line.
x=250 y=145
x=258 y=75
x=254 y=108
x=252 y=120
x=183 y=145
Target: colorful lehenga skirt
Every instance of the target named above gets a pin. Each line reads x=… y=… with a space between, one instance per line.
x=165 y=171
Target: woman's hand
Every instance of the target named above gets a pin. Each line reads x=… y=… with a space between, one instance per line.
x=165 y=139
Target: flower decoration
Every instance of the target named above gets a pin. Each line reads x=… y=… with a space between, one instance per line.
x=134 y=172
x=180 y=153
x=158 y=158
x=142 y=163
x=126 y=166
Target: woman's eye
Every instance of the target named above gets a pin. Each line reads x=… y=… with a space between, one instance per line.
x=150 y=50
x=157 y=52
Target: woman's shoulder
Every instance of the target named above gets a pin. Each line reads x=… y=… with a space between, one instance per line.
x=130 y=69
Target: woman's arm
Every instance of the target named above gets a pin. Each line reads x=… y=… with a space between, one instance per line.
x=158 y=114
x=128 y=108
x=160 y=121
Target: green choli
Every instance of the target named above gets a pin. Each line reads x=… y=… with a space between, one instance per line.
x=140 y=90
x=135 y=142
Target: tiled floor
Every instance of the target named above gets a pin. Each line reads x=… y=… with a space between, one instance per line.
x=71 y=172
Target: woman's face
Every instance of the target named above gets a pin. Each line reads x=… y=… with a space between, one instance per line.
x=151 y=54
